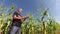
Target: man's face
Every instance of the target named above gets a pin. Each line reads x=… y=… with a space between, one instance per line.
x=20 y=10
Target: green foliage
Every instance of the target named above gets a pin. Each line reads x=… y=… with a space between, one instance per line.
x=5 y=21
x=32 y=25
x=39 y=25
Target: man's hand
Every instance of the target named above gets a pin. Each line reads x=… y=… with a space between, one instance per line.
x=25 y=17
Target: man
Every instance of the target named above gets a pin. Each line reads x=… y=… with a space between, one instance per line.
x=17 y=21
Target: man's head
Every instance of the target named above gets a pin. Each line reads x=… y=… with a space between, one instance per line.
x=20 y=10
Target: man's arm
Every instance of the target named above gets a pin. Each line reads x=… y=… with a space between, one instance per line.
x=15 y=17
x=23 y=18
x=20 y=18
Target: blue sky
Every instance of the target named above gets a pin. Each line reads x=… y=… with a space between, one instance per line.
x=31 y=5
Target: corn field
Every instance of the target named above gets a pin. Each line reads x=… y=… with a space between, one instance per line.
x=32 y=25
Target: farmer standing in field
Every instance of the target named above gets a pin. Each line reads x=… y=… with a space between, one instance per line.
x=17 y=21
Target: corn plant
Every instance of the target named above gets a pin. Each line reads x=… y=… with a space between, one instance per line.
x=30 y=26
x=5 y=21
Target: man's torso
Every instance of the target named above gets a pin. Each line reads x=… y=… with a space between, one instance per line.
x=16 y=22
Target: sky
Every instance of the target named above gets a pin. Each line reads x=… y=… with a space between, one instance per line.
x=31 y=5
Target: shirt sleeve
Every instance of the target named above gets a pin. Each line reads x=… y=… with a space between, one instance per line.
x=15 y=13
